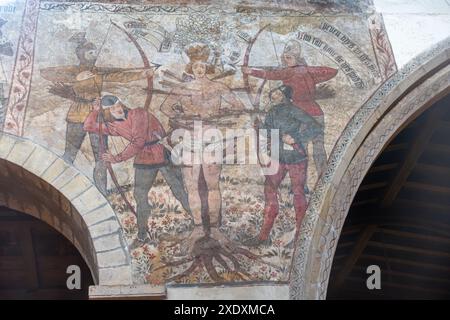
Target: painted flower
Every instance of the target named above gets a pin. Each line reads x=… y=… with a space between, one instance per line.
x=136 y=254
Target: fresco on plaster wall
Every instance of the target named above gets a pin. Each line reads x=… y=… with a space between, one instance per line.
x=119 y=91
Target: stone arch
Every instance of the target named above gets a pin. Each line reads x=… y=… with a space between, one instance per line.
x=397 y=102
x=36 y=181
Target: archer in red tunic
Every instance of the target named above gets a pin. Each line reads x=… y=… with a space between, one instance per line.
x=303 y=80
x=143 y=131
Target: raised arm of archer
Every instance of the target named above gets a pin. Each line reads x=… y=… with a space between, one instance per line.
x=124 y=76
x=322 y=74
x=272 y=74
x=66 y=74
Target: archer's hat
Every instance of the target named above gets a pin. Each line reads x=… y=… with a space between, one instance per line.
x=80 y=39
x=293 y=47
x=109 y=100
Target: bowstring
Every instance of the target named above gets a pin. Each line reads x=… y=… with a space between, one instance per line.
x=276 y=54
x=274 y=47
x=109 y=141
x=103 y=43
x=98 y=89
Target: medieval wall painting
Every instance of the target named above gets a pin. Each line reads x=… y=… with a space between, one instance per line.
x=132 y=94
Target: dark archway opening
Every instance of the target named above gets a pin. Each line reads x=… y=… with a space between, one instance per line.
x=400 y=218
x=34 y=258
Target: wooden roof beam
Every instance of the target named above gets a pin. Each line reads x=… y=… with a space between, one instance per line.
x=418 y=146
x=360 y=245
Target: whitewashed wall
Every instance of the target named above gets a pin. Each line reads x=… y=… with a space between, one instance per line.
x=414 y=25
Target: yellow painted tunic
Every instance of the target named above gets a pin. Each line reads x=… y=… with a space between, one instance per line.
x=86 y=90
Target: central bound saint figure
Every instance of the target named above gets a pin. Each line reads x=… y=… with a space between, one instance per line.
x=204 y=105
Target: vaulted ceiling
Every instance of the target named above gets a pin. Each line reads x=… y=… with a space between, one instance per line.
x=34 y=259
x=400 y=217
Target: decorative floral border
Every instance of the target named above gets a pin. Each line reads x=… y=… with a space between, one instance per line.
x=382 y=46
x=266 y=11
x=23 y=69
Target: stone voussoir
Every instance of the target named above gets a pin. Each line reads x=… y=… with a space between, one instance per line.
x=88 y=201
x=113 y=258
x=109 y=242
x=104 y=228
x=39 y=160
x=76 y=186
x=100 y=214
x=6 y=145
x=20 y=152
x=54 y=170
x=115 y=276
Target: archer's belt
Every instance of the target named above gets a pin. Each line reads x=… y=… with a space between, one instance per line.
x=151 y=143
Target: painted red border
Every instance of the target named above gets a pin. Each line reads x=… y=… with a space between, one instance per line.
x=23 y=69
